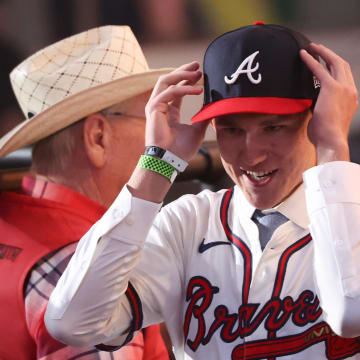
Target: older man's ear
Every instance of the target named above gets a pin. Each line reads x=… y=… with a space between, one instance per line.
x=97 y=137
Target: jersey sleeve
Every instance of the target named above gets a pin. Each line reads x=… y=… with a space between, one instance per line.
x=333 y=203
x=131 y=244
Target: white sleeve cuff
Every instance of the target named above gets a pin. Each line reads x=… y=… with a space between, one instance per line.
x=331 y=183
x=132 y=216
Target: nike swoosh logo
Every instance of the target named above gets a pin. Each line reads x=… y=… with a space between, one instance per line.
x=203 y=247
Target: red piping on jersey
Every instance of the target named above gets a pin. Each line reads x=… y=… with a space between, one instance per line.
x=279 y=281
x=136 y=307
x=245 y=251
x=280 y=275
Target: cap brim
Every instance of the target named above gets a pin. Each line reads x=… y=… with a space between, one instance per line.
x=76 y=107
x=265 y=105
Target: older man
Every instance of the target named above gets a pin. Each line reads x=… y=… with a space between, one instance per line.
x=84 y=100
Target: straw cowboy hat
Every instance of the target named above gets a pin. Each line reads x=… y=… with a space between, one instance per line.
x=76 y=77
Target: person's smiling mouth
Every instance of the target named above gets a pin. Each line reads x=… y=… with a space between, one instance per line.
x=259 y=178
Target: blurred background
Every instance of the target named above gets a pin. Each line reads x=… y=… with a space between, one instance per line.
x=173 y=32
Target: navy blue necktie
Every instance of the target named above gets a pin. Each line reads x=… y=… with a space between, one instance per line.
x=267 y=224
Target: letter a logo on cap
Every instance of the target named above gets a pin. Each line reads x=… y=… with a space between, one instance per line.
x=248 y=62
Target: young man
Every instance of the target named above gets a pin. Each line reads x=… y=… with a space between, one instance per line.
x=268 y=269
x=84 y=98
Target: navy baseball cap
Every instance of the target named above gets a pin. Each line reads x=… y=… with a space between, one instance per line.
x=257 y=69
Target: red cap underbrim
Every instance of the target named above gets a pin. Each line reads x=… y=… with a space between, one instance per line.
x=265 y=105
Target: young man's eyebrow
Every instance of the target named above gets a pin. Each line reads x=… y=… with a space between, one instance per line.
x=274 y=120
x=279 y=119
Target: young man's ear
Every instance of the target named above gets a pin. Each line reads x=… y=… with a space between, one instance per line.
x=96 y=132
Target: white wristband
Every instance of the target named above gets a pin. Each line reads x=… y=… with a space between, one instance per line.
x=179 y=164
x=167 y=156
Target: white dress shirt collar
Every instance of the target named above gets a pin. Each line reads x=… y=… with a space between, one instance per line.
x=294 y=207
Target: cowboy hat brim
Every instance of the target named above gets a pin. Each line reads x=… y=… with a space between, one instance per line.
x=76 y=107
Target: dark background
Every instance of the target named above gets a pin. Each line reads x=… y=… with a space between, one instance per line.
x=172 y=32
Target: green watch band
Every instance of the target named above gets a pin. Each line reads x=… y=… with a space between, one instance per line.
x=160 y=166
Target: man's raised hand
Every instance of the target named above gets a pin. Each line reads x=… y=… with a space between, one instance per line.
x=163 y=126
x=335 y=107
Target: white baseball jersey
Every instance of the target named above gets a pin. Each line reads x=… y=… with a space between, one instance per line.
x=202 y=271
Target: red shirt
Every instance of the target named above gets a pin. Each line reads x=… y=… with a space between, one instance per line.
x=39 y=230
